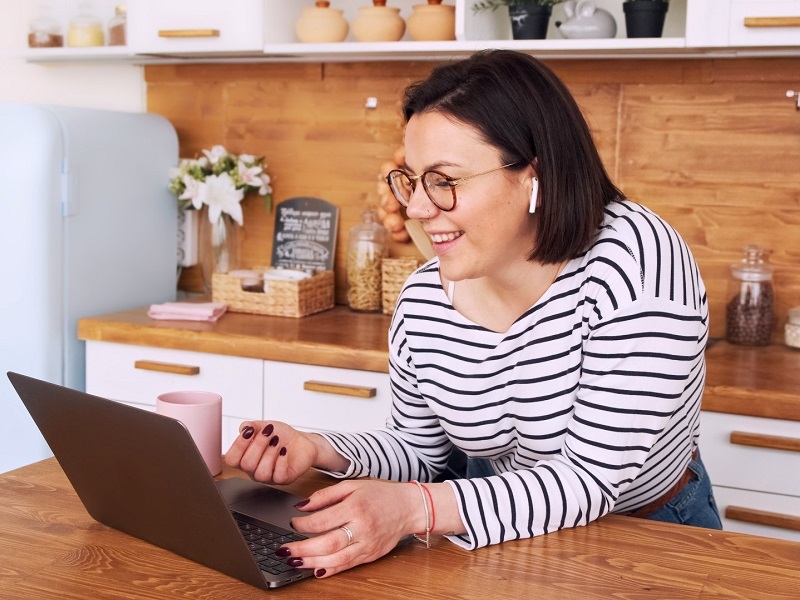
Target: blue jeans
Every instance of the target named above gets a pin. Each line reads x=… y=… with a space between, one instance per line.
x=694 y=505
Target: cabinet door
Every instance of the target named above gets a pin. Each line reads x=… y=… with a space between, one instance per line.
x=751 y=453
x=138 y=374
x=765 y=23
x=181 y=27
x=745 y=511
x=326 y=398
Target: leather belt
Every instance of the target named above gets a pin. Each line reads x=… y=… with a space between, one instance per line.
x=660 y=502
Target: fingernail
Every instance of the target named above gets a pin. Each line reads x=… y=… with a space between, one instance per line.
x=283 y=551
x=274 y=441
x=268 y=429
x=283 y=451
x=248 y=432
x=295 y=562
x=302 y=503
x=319 y=573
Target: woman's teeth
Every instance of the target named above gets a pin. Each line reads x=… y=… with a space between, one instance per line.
x=446 y=237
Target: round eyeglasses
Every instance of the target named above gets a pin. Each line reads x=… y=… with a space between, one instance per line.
x=440 y=188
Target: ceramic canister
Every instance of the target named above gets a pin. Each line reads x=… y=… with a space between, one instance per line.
x=378 y=23
x=433 y=21
x=321 y=24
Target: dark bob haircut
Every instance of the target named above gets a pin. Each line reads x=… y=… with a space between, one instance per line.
x=521 y=108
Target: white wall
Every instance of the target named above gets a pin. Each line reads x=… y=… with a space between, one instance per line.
x=93 y=85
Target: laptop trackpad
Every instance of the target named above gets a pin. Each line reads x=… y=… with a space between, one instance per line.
x=260 y=501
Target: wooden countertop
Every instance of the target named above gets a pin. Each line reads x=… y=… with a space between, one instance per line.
x=52 y=548
x=748 y=380
x=751 y=380
x=334 y=338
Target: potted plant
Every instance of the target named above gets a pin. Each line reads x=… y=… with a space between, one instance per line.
x=529 y=18
x=645 y=18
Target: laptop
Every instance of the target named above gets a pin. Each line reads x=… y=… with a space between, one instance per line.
x=141 y=473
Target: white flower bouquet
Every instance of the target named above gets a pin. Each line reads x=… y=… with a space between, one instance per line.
x=220 y=180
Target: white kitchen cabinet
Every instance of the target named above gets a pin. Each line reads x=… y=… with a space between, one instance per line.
x=743 y=24
x=195 y=27
x=305 y=396
x=327 y=398
x=750 y=480
x=136 y=375
x=264 y=30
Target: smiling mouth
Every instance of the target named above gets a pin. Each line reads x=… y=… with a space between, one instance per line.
x=438 y=238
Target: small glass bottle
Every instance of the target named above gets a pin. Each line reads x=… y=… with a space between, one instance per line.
x=45 y=31
x=85 y=29
x=365 y=251
x=117 y=27
x=750 y=312
x=792 y=328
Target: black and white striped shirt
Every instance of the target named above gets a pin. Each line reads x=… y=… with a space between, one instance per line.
x=588 y=404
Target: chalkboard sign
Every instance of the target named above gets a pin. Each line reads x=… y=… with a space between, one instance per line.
x=305 y=234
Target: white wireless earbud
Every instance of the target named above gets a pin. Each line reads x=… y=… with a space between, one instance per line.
x=534 y=194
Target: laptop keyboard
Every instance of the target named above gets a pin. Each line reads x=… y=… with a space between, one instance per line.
x=263 y=542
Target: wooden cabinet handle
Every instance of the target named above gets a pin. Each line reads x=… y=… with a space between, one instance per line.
x=763 y=440
x=762 y=517
x=772 y=21
x=151 y=365
x=188 y=33
x=340 y=389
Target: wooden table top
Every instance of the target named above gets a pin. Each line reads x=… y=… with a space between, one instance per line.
x=51 y=548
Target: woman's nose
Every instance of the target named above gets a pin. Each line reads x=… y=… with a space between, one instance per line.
x=419 y=205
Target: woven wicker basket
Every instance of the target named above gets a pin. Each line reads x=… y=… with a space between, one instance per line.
x=394 y=272
x=280 y=298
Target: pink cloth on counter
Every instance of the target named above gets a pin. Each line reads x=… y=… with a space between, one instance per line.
x=187 y=311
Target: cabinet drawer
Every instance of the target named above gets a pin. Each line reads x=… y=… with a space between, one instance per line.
x=739 y=465
x=764 y=23
x=195 y=26
x=312 y=397
x=112 y=372
x=730 y=498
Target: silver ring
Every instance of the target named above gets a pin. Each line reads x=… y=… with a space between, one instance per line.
x=349 y=534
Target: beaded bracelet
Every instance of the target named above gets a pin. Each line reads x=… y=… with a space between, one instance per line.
x=427 y=540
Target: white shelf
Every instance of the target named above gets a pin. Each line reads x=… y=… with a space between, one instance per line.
x=689 y=32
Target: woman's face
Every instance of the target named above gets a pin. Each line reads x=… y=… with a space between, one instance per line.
x=490 y=232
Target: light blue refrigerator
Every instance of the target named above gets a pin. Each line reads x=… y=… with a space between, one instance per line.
x=87 y=226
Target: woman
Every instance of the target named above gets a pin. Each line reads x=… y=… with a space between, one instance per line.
x=556 y=339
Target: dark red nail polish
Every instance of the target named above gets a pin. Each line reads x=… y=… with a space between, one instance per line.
x=283 y=551
x=319 y=573
x=302 y=503
x=268 y=429
x=295 y=562
x=283 y=451
x=274 y=441
x=248 y=432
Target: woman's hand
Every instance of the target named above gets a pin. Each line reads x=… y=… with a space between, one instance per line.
x=272 y=452
x=378 y=515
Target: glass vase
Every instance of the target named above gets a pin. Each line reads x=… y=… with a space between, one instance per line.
x=219 y=247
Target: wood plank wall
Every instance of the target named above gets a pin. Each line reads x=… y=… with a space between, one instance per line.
x=713 y=145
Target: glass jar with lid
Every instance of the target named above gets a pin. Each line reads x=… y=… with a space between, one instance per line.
x=117 y=27
x=44 y=30
x=750 y=312
x=85 y=29
x=367 y=245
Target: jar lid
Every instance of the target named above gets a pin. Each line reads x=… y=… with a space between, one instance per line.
x=753 y=266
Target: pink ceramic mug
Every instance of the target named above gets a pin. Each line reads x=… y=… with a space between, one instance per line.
x=201 y=413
